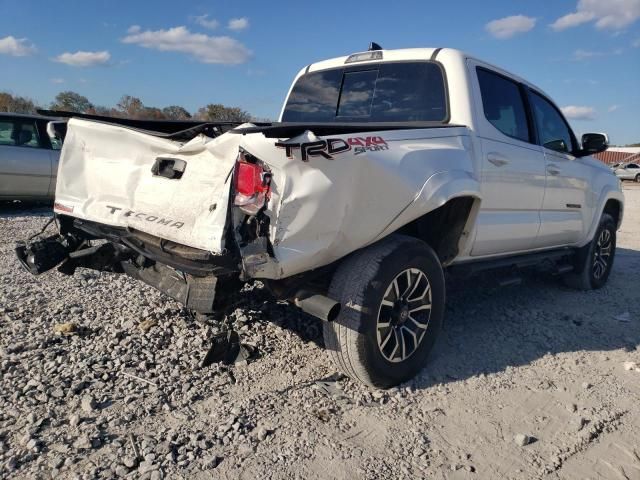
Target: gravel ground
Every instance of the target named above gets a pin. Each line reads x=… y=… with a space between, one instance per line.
x=531 y=381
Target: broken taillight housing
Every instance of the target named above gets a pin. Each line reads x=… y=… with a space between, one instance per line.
x=251 y=185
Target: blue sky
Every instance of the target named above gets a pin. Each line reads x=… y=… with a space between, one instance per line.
x=584 y=53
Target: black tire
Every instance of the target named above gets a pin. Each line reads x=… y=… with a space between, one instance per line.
x=638 y=178
x=359 y=284
x=586 y=276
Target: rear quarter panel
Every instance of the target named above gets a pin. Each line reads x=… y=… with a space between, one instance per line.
x=324 y=209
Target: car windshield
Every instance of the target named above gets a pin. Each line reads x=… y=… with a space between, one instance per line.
x=384 y=92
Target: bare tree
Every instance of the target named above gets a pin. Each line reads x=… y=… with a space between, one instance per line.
x=16 y=104
x=131 y=107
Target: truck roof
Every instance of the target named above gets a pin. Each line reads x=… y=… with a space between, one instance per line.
x=406 y=54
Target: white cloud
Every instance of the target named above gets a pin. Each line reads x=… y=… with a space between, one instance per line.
x=576 y=112
x=613 y=108
x=16 y=47
x=134 y=29
x=580 y=54
x=203 y=48
x=238 y=24
x=507 y=27
x=84 y=59
x=57 y=80
x=206 y=22
x=607 y=14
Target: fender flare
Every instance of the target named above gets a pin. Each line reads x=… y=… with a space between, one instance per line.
x=438 y=189
x=607 y=193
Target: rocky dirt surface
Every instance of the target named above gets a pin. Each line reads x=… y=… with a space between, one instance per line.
x=100 y=378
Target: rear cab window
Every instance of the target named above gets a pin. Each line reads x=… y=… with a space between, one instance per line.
x=383 y=92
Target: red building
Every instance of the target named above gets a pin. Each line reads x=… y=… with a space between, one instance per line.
x=619 y=155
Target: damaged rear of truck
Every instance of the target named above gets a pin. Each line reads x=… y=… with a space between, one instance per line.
x=348 y=208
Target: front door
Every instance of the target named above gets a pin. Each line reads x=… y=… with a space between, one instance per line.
x=565 y=211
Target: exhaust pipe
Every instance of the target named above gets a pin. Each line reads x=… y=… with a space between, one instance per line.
x=319 y=306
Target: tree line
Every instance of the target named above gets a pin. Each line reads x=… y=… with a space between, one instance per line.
x=127 y=107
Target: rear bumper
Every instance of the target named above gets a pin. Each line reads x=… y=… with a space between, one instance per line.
x=191 y=276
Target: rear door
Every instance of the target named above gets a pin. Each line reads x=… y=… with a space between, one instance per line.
x=513 y=169
x=25 y=160
x=565 y=209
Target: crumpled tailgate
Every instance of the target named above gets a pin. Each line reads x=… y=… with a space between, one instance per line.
x=105 y=175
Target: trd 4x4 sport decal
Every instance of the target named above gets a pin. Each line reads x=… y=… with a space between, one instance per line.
x=331 y=146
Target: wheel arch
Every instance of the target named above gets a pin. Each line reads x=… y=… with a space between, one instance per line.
x=611 y=201
x=447 y=229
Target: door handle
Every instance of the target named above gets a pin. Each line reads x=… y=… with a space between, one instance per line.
x=497 y=159
x=553 y=169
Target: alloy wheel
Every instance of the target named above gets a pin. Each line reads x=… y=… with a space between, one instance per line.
x=404 y=314
x=602 y=254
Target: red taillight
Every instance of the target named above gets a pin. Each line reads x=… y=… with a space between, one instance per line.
x=249 y=179
x=251 y=187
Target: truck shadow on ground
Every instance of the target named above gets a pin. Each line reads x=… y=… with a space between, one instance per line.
x=488 y=329
x=10 y=209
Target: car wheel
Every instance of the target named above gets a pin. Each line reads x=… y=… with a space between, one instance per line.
x=392 y=295
x=594 y=261
x=638 y=178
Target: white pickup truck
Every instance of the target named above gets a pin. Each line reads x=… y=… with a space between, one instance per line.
x=387 y=168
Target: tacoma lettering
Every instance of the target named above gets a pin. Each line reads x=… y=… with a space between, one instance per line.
x=145 y=216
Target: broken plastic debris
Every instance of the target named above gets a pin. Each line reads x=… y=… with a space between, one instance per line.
x=147 y=325
x=68 y=328
x=225 y=348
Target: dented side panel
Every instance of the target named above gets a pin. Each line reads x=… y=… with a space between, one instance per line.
x=328 y=201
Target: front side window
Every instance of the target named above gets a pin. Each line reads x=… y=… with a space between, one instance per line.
x=553 y=131
x=6 y=129
x=384 y=92
x=633 y=165
x=503 y=104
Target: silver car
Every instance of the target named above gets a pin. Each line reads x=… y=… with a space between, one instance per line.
x=28 y=157
x=628 y=171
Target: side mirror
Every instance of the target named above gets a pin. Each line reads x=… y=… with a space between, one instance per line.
x=594 y=143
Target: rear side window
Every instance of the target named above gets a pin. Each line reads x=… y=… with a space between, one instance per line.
x=19 y=133
x=26 y=135
x=553 y=131
x=385 y=92
x=503 y=104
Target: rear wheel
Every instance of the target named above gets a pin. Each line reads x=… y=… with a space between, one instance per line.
x=638 y=178
x=392 y=296
x=594 y=261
